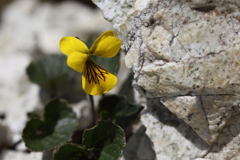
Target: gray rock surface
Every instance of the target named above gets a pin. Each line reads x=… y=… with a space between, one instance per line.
x=171 y=136
x=186 y=53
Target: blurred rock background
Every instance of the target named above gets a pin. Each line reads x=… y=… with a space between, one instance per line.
x=29 y=29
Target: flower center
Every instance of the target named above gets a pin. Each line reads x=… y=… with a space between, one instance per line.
x=94 y=73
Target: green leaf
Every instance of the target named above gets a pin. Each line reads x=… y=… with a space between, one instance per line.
x=119 y=110
x=49 y=71
x=110 y=64
x=106 y=141
x=71 y=151
x=58 y=126
x=56 y=79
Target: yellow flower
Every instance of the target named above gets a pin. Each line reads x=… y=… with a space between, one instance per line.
x=95 y=79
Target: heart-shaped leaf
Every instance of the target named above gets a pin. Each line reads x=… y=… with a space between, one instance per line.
x=71 y=151
x=47 y=69
x=55 y=78
x=106 y=141
x=118 y=109
x=57 y=127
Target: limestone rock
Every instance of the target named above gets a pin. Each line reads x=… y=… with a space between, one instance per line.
x=172 y=137
x=187 y=53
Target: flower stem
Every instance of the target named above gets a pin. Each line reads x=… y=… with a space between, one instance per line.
x=93 y=111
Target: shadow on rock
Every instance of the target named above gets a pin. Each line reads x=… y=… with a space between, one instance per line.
x=139 y=147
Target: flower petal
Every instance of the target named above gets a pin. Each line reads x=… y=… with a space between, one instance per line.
x=96 y=80
x=107 y=45
x=77 y=61
x=68 y=45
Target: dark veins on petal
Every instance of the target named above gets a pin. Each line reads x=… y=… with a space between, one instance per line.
x=94 y=73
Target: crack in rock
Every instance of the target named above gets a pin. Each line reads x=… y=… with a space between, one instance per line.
x=187 y=53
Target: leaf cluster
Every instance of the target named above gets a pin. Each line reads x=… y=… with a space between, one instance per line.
x=102 y=142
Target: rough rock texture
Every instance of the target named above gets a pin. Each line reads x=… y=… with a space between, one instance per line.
x=173 y=139
x=187 y=53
